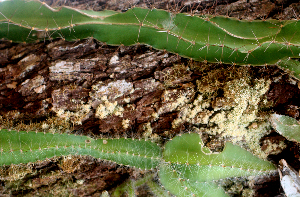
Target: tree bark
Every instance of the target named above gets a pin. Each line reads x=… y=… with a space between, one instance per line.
x=89 y=88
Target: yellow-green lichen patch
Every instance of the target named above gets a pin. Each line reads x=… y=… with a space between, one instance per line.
x=232 y=114
x=103 y=99
x=148 y=133
x=195 y=113
x=273 y=148
x=70 y=104
x=148 y=130
x=107 y=108
x=243 y=100
x=76 y=117
x=237 y=122
x=125 y=123
x=174 y=99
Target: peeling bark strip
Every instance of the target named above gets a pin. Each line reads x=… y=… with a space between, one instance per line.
x=212 y=39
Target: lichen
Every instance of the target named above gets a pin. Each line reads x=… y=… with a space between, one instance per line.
x=274 y=148
x=76 y=117
x=108 y=108
x=112 y=90
x=148 y=130
x=174 y=100
x=233 y=115
x=234 y=123
x=125 y=123
x=195 y=113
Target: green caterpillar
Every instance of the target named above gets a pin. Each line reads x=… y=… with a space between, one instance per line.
x=201 y=38
x=186 y=168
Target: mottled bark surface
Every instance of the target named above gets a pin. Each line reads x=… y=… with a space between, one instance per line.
x=89 y=88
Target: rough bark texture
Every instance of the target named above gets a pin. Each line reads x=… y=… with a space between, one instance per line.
x=89 y=88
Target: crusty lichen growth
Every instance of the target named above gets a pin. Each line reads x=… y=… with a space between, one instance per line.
x=243 y=100
x=195 y=113
x=234 y=114
x=125 y=123
x=148 y=133
x=148 y=130
x=112 y=90
x=174 y=100
x=274 y=148
x=237 y=123
x=76 y=117
x=107 y=108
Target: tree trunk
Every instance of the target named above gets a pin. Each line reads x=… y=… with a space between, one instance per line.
x=89 y=88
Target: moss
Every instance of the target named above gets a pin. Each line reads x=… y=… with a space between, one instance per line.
x=51 y=124
x=173 y=76
x=15 y=172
